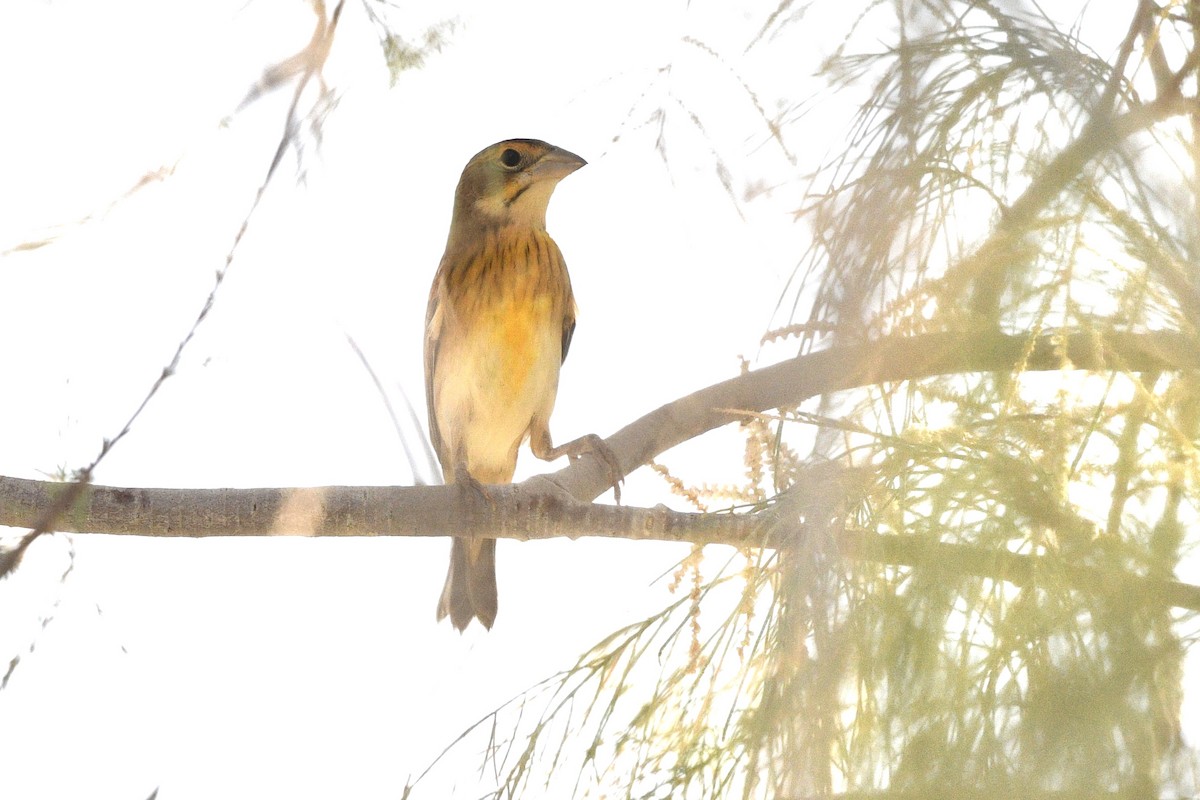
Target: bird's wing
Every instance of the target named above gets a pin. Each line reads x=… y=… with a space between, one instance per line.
x=434 y=319
x=568 y=329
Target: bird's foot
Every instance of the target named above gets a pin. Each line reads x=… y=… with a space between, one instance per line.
x=591 y=444
x=471 y=486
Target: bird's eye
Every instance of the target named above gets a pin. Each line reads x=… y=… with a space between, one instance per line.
x=510 y=158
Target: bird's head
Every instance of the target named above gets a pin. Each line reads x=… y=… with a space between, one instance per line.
x=510 y=183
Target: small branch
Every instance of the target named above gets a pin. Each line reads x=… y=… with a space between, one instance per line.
x=886 y=360
x=1139 y=25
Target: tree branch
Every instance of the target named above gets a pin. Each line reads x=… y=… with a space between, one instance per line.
x=538 y=509
x=535 y=509
x=886 y=360
x=559 y=504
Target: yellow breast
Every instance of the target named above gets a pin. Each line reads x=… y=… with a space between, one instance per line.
x=500 y=346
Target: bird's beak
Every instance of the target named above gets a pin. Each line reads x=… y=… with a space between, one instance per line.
x=557 y=164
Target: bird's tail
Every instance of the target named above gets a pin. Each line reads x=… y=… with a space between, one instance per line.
x=470 y=589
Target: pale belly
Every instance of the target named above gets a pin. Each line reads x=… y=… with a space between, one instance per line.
x=494 y=380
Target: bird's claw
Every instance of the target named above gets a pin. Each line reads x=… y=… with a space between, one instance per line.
x=470 y=484
x=591 y=443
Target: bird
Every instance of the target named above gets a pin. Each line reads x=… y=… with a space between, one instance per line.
x=498 y=326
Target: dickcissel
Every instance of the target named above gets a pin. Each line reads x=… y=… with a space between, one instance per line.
x=499 y=322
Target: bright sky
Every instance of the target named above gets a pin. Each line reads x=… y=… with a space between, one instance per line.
x=306 y=668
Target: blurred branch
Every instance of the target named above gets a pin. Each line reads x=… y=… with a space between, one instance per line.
x=1014 y=568
x=303 y=66
x=1101 y=134
x=50 y=237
